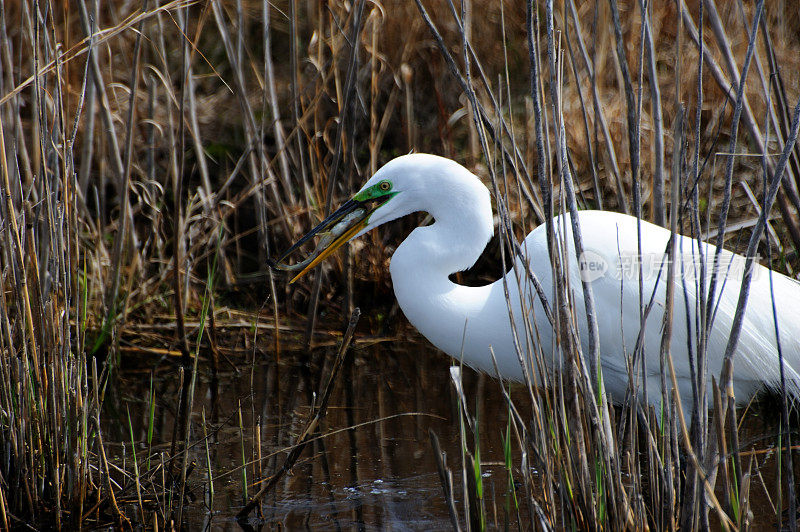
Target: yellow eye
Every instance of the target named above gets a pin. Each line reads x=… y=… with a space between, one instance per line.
x=385 y=186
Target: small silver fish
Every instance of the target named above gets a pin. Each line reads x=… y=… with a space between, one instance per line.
x=326 y=238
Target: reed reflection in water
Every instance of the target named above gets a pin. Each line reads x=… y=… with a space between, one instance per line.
x=372 y=465
x=379 y=474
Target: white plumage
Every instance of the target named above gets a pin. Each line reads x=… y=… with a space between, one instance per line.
x=465 y=321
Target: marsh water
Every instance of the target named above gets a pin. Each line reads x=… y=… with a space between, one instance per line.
x=371 y=466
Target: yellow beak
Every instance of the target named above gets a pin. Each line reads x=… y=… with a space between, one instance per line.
x=335 y=230
x=336 y=244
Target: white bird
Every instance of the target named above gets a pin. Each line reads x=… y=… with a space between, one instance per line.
x=465 y=322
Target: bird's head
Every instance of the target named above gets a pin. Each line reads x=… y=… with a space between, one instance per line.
x=400 y=187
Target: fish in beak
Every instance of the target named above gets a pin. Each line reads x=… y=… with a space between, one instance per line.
x=335 y=230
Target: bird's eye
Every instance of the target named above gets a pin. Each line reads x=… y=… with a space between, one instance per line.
x=385 y=186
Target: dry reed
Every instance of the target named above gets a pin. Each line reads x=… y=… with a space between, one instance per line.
x=155 y=154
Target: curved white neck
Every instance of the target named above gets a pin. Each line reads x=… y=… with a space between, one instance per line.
x=420 y=267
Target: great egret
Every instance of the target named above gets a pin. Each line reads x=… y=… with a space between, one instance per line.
x=465 y=322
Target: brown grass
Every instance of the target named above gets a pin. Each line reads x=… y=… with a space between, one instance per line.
x=143 y=188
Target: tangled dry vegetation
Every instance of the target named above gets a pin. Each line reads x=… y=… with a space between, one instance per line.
x=156 y=153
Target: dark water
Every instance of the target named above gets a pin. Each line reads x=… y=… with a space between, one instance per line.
x=380 y=474
x=372 y=466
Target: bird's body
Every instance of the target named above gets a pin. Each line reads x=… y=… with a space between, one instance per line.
x=465 y=322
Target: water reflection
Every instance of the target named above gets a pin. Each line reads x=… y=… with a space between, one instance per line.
x=371 y=465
